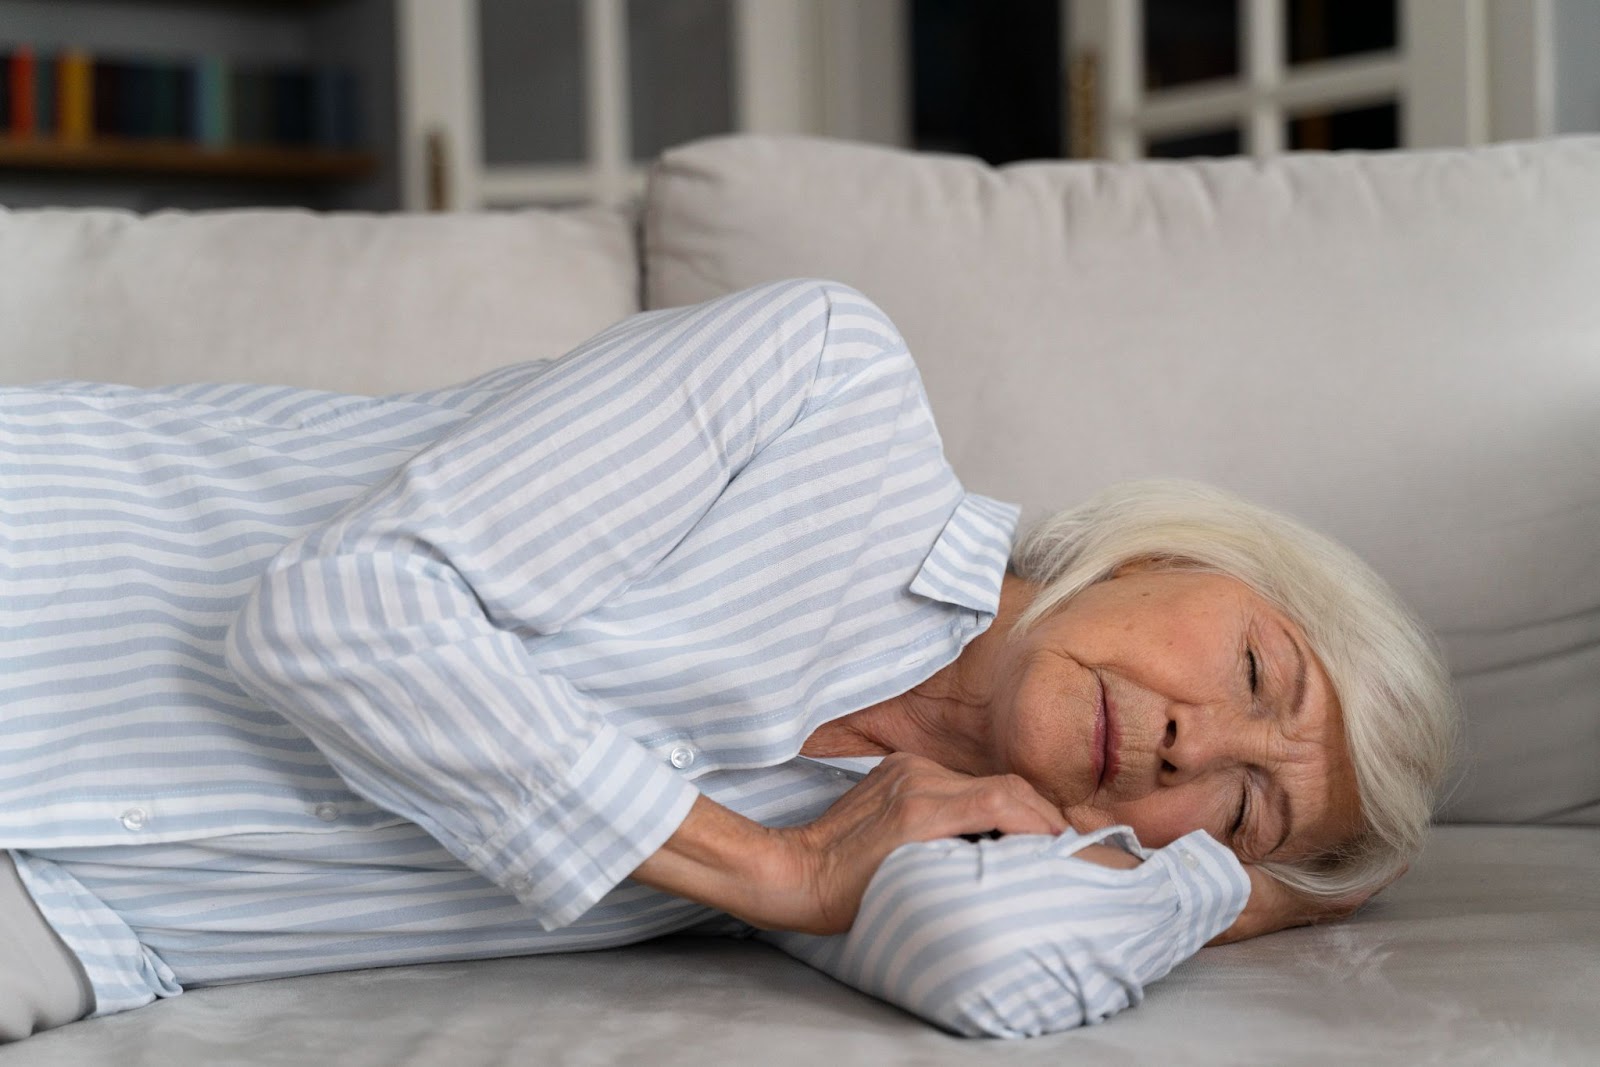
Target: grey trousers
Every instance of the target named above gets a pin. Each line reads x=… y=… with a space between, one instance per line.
x=42 y=984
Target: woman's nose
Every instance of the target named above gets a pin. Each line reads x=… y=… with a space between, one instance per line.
x=1198 y=739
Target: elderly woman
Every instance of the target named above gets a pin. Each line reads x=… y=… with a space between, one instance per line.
x=692 y=629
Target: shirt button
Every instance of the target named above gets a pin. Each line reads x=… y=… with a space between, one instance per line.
x=521 y=885
x=1189 y=860
x=326 y=812
x=133 y=818
x=681 y=756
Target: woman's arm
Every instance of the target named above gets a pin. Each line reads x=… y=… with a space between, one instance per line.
x=1019 y=937
x=811 y=878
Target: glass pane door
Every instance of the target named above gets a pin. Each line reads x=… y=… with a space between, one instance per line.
x=531 y=72
x=680 y=64
x=578 y=96
x=1319 y=32
x=1177 y=78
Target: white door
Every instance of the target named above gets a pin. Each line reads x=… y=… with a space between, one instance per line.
x=507 y=103
x=1444 y=72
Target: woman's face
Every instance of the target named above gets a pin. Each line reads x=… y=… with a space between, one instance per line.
x=1170 y=700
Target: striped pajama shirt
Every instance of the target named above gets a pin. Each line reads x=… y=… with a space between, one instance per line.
x=298 y=682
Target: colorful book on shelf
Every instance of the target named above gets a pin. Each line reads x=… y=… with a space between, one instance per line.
x=21 y=117
x=77 y=96
x=210 y=102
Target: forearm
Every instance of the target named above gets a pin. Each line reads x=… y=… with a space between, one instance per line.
x=809 y=879
x=719 y=858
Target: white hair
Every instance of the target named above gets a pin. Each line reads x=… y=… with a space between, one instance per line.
x=1400 y=716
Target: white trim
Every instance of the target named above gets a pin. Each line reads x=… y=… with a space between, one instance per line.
x=1345 y=82
x=1262 y=46
x=1447 y=91
x=1123 y=76
x=436 y=67
x=1108 y=30
x=865 y=71
x=518 y=185
x=1522 y=84
x=777 y=49
x=606 y=118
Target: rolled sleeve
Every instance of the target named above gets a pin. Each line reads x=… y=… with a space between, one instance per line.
x=1016 y=937
x=561 y=855
x=1211 y=885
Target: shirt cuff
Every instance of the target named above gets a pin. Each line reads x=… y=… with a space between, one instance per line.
x=618 y=806
x=1212 y=888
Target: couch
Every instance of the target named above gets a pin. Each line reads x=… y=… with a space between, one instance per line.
x=1401 y=348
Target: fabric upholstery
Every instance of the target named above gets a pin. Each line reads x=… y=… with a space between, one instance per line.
x=42 y=983
x=1401 y=348
x=347 y=301
x=1483 y=955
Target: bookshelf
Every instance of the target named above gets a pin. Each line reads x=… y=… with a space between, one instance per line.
x=202 y=103
x=179 y=158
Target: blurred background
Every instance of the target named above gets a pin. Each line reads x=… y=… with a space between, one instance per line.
x=387 y=105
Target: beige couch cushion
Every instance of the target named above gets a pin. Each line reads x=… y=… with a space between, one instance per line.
x=1401 y=348
x=352 y=302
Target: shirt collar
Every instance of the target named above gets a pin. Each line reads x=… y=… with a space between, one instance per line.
x=968 y=560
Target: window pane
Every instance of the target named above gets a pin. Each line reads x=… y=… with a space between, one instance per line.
x=1189 y=41
x=1365 y=128
x=1225 y=142
x=1323 y=29
x=532 y=81
x=986 y=78
x=680 y=59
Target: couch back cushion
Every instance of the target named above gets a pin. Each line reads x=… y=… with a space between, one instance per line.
x=1401 y=349
x=348 y=301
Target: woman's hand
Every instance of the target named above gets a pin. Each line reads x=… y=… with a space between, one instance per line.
x=1274 y=906
x=905 y=798
x=811 y=878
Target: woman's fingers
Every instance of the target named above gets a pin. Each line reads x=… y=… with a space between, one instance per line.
x=1012 y=806
x=934 y=801
x=904 y=799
